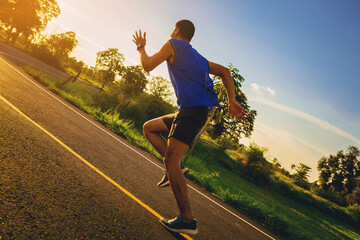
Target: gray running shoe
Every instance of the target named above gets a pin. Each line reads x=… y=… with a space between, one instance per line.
x=165 y=181
x=180 y=226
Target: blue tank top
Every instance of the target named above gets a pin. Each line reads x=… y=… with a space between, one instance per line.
x=189 y=74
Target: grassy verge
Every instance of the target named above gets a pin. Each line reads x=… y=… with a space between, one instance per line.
x=221 y=175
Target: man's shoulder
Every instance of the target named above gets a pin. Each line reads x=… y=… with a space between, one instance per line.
x=179 y=42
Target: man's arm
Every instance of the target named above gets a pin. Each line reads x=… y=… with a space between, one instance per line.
x=151 y=62
x=234 y=107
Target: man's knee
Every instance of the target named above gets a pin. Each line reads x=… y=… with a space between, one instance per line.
x=155 y=126
x=146 y=127
x=175 y=151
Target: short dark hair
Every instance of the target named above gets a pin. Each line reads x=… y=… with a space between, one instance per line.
x=186 y=28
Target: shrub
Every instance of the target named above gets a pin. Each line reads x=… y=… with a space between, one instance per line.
x=354 y=197
x=226 y=143
x=105 y=101
x=355 y=212
x=145 y=107
x=256 y=165
x=330 y=195
x=42 y=53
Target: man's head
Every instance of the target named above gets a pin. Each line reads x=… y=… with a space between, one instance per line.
x=184 y=29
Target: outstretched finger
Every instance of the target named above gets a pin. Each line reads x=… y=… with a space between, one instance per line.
x=240 y=115
x=244 y=112
x=231 y=115
x=144 y=35
x=237 y=117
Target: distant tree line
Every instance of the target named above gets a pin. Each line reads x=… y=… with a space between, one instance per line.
x=339 y=176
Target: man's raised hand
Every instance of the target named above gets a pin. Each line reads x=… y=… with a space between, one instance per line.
x=237 y=111
x=138 y=38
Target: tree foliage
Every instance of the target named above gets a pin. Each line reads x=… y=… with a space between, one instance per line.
x=56 y=48
x=62 y=44
x=144 y=107
x=301 y=175
x=26 y=17
x=133 y=81
x=222 y=124
x=109 y=64
x=341 y=172
x=256 y=164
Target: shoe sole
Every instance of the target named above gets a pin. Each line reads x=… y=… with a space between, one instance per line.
x=185 y=231
x=165 y=184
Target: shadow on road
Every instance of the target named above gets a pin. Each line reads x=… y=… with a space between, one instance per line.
x=175 y=235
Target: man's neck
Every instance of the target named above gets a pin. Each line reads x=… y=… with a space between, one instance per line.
x=181 y=39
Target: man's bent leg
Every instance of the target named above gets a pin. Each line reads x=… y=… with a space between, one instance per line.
x=175 y=151
x=152 y=131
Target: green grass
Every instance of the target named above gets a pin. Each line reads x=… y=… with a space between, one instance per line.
x=215 y=170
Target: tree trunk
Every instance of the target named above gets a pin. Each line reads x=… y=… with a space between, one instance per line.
x=76 y=77
x=103 y=85
x=14 y=38
x=10 y=32
x=121 y=102
x=71 y=78
x=66 y=81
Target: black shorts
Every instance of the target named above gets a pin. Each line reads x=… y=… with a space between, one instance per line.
x=187 y=123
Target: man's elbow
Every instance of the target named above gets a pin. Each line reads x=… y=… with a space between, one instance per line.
x=147 y=67
x=218 y=70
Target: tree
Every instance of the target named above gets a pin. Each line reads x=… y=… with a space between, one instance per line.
x=339 y=172
x=133 y=81
x=130 y=86
x=302 y=173
x=256 y=164
x=276 y=164
x=25 y=17
x=222 y=124
x=62 y=44
x=109 y=64
x=56 y=48
x=293 y=166
x=75 y=64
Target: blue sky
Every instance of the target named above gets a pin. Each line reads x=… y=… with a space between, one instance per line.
x=300 y=60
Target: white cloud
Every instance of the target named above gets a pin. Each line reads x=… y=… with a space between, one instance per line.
x=271 y=91
x=259 y=89
x=255 y=87
x=321 y=123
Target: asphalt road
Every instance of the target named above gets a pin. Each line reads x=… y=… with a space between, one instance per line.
x=48 y=192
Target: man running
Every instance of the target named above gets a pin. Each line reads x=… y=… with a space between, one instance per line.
x=189 y=74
